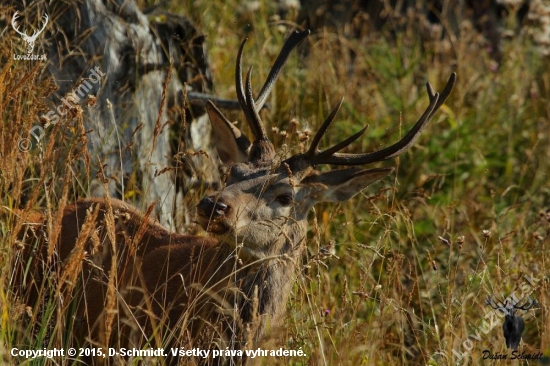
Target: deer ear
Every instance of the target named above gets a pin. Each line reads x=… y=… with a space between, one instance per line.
x=342 y=184
x=231 y=143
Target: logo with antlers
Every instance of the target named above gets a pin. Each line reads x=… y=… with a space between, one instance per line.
x=513 y=325
x=29 y=39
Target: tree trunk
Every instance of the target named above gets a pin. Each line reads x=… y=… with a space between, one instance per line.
x=146 y=65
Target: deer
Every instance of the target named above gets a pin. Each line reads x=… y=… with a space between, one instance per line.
x=30 y=40
x=226 y=289
x=513 y=325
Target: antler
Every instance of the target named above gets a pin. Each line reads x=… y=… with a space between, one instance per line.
x=529 y=303
x=14 y=26
x=250 y=107
x=331 y=155
x=294 y=40
x=494 y=303
x=36 y=33
x=29 y=39
x=262 y=149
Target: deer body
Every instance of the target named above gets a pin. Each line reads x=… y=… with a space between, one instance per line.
x=183 y=274
x=226 y=289
x=513 y=327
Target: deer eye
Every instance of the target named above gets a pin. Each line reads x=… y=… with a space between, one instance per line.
x=284 y=199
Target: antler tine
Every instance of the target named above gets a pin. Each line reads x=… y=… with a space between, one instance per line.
x=387 y=153
x=494 y=303
x=262 y=150
x=291 y=43
x=339 y=146
x=255 y=122
x=313 y=148
x=239 y=81
x=532 y=302
x=436 y=101
x=245 y=96
x=444 y=93
x=491 y=302
x=37 y=32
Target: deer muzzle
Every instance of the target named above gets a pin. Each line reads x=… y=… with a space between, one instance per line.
x=212 y=212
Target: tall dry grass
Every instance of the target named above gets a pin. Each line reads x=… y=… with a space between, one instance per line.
x=409 y=262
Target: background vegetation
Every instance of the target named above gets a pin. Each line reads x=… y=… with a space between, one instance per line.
x=464 y=217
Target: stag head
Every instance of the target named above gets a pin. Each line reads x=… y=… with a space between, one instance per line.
x=29 y=39
x=265 y=202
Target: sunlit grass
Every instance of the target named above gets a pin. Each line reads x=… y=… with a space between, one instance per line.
x=463 y=217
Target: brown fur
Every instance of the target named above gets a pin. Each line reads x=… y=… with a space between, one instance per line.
x=195 y=286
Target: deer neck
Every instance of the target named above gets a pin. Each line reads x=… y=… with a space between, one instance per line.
x=264 y=288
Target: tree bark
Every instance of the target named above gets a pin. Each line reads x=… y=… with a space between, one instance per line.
x=147 y=64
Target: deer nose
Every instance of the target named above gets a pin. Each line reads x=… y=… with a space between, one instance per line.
x=212 y=208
